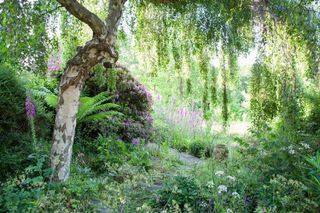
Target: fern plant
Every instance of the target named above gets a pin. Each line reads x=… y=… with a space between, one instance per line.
x=90 y=109
x=314 y=172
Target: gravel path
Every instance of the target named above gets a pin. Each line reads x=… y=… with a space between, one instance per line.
x=187 y=159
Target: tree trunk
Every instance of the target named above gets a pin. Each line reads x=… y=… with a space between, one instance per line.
x=71 y=85
x=65 y=124
x=98 y=50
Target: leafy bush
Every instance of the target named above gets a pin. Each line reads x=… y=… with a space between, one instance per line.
x=286 y=195
x=313 y=178
x=278 y=160
x=134 y=101
x=182 y=194
x=13 y=94
x=14 y=139
x=201 y=149
x=106 y=152
x=111 y=151
x=32 y=191
x=19 y=192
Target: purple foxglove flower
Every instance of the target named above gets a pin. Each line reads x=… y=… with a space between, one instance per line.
x=30 y=110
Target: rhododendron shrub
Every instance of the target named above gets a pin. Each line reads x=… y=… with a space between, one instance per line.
x=135 y=102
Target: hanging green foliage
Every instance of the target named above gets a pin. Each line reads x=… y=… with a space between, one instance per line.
x=70 y=31
x=233 y=66
x=214 y=87
x=177 y=56
x=24 y=40
x=263 y=103
x=162 y=46
x=112 y=79
x=189 y=86
x=224 y=75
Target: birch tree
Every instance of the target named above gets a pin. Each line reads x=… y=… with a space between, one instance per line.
x=100 y=49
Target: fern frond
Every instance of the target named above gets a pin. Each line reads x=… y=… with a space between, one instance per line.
x=52 y=100
x=107 y=106
x=101 y=116
x=90 y=107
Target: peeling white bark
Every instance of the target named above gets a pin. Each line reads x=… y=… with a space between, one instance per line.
x=98 y=50
x=64 y=131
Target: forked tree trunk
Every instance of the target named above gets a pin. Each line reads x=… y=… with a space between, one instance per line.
x=98 y=50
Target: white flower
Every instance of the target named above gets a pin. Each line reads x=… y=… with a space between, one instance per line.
x=203 y=204
x=219 y=173
x=235 y=194
x=210 y=184
x=231 y=178
x=229 y=211
x=306 y=146
x=222 y=188
x=291 y=151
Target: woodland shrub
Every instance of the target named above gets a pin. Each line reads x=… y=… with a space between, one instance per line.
x=286 y=195
x=14 y=148
x=15 y=125
x=106 y=152
x=312 y=123
x=12 y=102
x=135 y=103
x=14 y=140
x=278 y=160
x=180 y=193
x=32 y=190
x=313 y=174
x=280 y=151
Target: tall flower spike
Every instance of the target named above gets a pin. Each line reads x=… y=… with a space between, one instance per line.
x=27 y=106
x=30 y=109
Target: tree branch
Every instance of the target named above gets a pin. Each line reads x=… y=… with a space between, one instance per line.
x=50 y=11
x=113 y=19
x=83 y=14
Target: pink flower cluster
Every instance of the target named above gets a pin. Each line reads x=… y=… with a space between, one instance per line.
x=30 y=110
x=182 y=117
x=54 y=62
x=139 y=89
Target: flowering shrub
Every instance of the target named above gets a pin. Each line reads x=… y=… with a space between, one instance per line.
x=135 y=102
x=135 y=105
